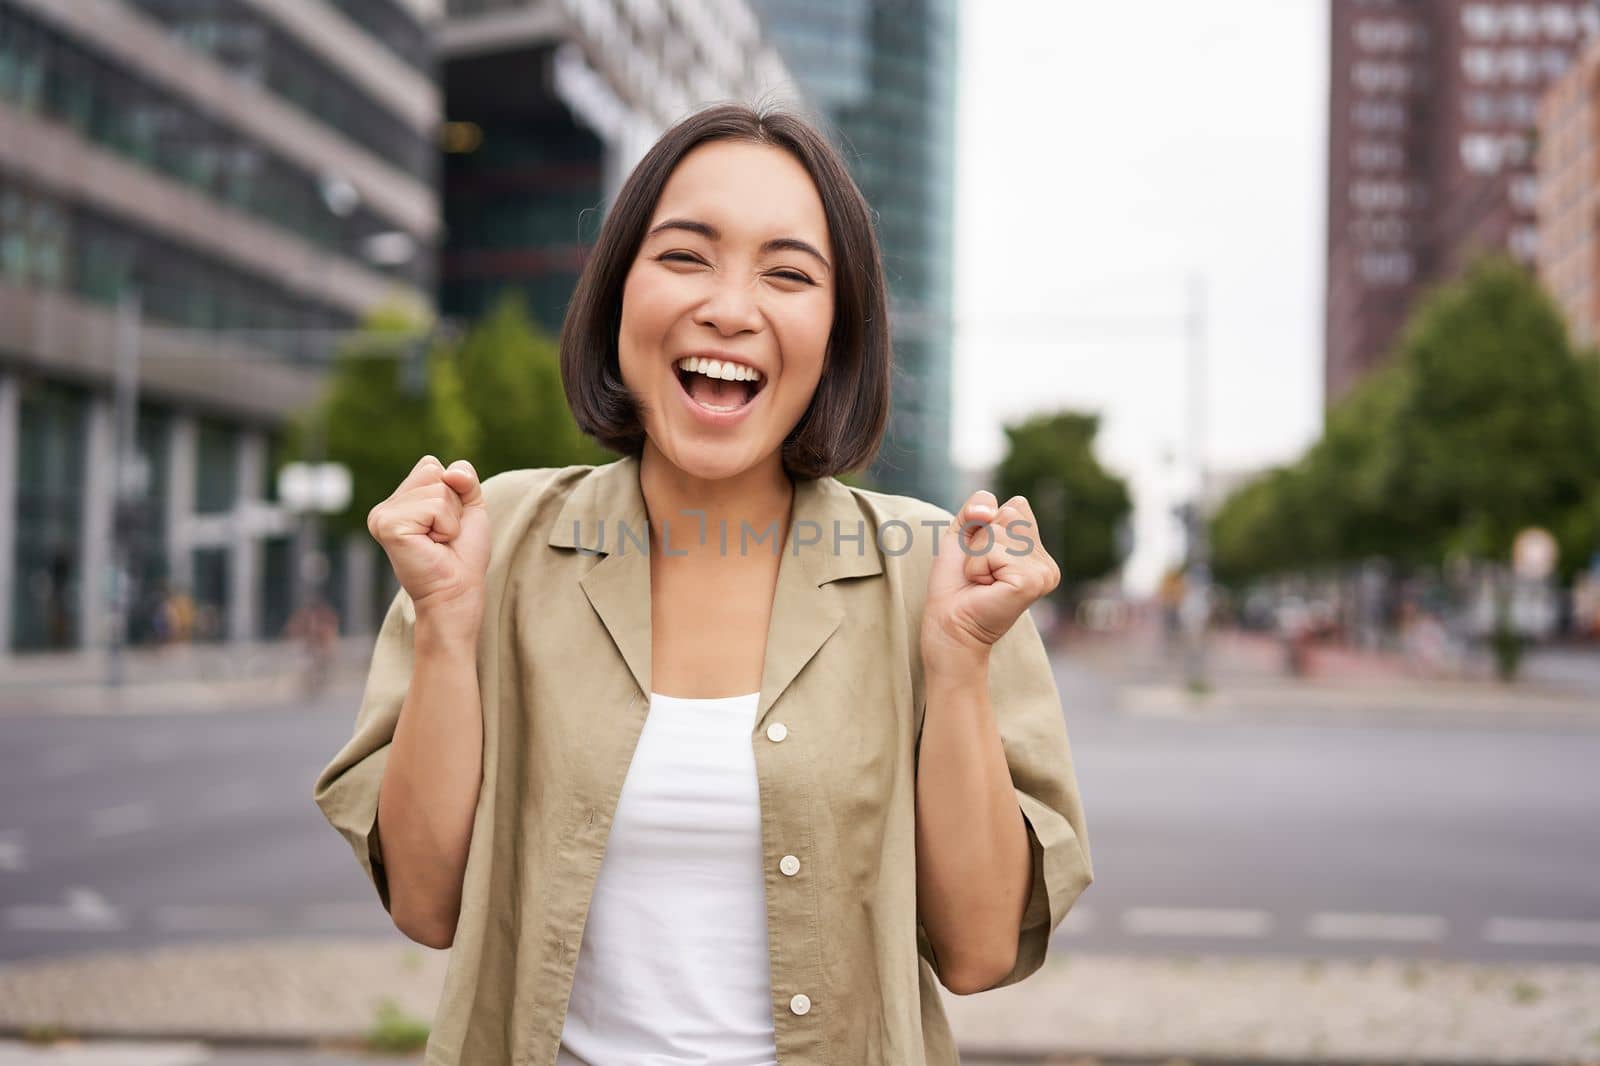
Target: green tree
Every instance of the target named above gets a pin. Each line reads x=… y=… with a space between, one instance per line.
x=378 y=417
x=1078 y=503
x=1497 y=428
x=510 y=377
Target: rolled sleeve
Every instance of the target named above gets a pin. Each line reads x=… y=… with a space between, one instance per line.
x=347 y=788
x=1033 y=731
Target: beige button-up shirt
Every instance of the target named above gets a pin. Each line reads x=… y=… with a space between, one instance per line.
x=564 y=673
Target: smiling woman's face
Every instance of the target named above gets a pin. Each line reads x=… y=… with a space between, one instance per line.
x=734 y=277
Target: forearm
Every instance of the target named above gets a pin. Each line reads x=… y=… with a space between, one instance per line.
x=974 y=865
x=429 y=794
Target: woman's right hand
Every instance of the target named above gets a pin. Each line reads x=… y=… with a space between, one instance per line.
x=435 y=530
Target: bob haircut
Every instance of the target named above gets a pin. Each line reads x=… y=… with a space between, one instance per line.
x=844 y=425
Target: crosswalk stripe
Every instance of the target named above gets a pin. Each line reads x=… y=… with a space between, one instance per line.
x=1196 y=921
x=1541 y=931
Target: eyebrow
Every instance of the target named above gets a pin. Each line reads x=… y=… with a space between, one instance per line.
x=711 y=233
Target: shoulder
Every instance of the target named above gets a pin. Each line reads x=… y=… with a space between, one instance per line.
x=525 y=500
x=510 y=486
x=906 y=532
x=888 y=506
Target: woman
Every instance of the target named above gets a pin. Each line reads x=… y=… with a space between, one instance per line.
x=668 y=792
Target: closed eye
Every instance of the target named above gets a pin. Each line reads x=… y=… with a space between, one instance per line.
x=686 y=257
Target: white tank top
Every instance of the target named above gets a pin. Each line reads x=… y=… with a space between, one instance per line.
x=673 y=965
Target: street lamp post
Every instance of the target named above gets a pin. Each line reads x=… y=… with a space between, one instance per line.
x=130 y=479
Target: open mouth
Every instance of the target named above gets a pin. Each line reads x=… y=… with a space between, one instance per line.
x=719 y=386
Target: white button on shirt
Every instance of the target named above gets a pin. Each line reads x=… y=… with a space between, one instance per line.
x=789 y=865
x=776 y=732
x=674 y=964
x=800 y=1003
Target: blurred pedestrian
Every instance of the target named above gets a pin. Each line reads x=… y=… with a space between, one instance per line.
x=315 y=625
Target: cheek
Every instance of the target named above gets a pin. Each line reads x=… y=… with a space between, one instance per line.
x=804 y=332
x=647 y=305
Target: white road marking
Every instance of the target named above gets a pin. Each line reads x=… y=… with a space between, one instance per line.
x=109 y=1053
x=13 y=851
x=125 y=818
x=85 y=910
x=1411 y=928
x=1196 y=921
x=210 y=917
x=1541 y=931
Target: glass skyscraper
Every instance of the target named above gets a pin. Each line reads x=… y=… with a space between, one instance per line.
x=883 y=73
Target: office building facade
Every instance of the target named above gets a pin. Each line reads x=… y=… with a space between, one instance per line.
x=1433 y=108
x=1568 y=169
x=261 y=175
x=549 y=104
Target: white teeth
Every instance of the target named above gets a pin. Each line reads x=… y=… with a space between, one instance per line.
x=716 y=368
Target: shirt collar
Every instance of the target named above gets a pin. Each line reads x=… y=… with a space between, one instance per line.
x=806 y=608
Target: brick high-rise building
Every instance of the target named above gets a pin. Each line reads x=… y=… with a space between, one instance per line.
x=1568 y=168
x=1432 y=110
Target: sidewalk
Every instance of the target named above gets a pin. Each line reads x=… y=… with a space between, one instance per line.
x=328 y=993
x=186 y=677
x=1245 y=672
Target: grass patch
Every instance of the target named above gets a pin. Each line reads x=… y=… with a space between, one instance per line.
x=395 y=1030
x=1526 y=992
x=44 y=1034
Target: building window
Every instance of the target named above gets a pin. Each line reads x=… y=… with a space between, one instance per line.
x=1524 y=192
x=1560 y=21
x=1525 y=243
x=1377 y=155
x=1522 y=20
x=1375 y=77
x=1386 y=268
x=1478 y=64
x=1480 y=153
x=1378 y=115
x=1379 y=195
x=1385 y=35
x=1480 y=20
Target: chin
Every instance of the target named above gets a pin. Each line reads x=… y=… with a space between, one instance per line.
x=713 y=461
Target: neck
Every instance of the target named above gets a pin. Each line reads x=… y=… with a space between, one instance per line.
x=760 y=496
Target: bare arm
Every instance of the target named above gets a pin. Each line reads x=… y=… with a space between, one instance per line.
x=435 y=529
x=974 y=866
x=430 y=785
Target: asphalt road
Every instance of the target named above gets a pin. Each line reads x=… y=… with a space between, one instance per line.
x=1276 y=833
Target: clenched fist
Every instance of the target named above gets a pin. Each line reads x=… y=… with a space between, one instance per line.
x=990 y=567
x=435 y=530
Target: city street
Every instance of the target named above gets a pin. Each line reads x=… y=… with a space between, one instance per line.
x=1290 y=833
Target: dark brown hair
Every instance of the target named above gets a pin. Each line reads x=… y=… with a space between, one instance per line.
x=844 y=425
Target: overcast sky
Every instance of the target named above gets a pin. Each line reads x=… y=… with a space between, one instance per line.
x=1105 y=151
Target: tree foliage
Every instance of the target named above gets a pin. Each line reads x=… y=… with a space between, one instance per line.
x=1078 y=503
x=493 y=397
x=1484 y=422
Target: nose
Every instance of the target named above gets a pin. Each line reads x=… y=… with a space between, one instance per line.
x=730 y=308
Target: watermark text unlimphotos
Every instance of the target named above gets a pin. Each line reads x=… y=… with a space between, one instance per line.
x=893 y=537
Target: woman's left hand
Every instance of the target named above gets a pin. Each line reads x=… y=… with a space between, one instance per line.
x=990 y=567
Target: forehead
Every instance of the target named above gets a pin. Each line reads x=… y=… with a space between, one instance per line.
x=745 y=190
